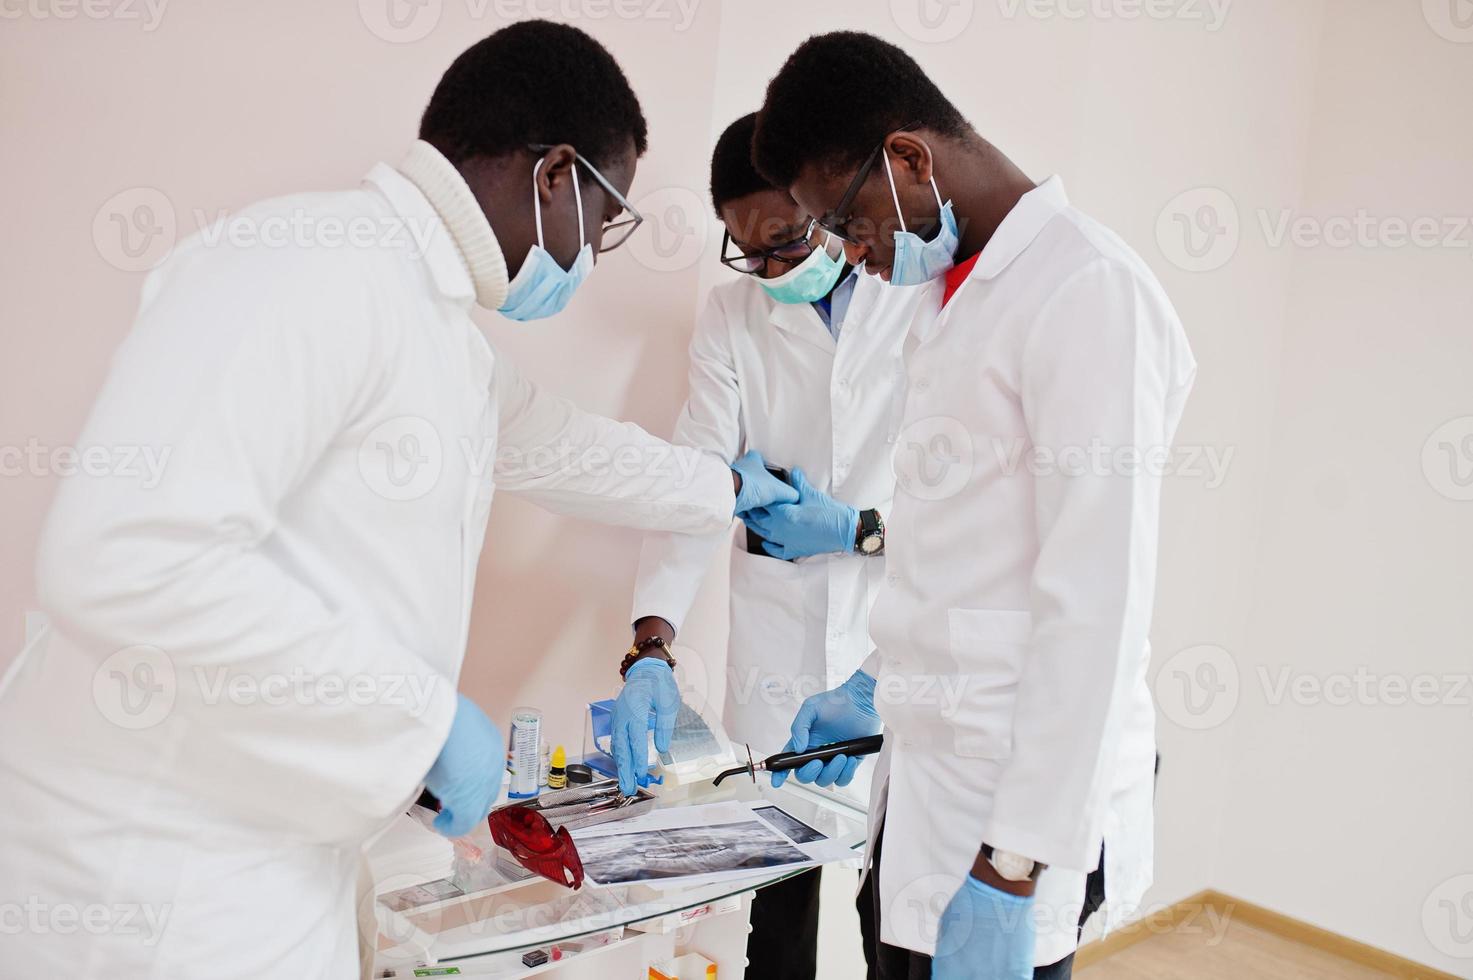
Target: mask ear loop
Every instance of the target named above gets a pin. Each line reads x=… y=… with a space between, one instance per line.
x=537 y=201
x=537 y=205
x=896 y=197
x=578 y=198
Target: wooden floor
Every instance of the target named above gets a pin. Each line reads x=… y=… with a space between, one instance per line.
x=1239 y=951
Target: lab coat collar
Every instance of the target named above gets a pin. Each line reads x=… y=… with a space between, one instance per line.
x=1021 y=225
x=461 y=250
x=802 y=321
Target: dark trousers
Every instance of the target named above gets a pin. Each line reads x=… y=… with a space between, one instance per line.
x=783 y=944
x=888 y=962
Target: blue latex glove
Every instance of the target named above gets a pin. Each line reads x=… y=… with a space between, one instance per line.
x=848 y=711
x=466 y=775
x=985 y=934
x=759 y=487
x=649 y=685
x=816 y=525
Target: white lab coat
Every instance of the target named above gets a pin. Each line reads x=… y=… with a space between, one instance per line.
x=769 y=376
x=332 y=415
x=1012 y=629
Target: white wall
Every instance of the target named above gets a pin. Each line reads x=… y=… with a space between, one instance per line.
x=1324 y=370
x=1352 y=815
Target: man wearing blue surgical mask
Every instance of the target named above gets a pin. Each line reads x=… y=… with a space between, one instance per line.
x=1018 y=583
x=796 y=354
x=252 y=665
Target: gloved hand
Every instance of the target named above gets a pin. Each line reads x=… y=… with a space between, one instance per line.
x=985 y=933
x=648 y=684
x=759 y=487
x=816 y=525
x=467 y=774
x=848 y=711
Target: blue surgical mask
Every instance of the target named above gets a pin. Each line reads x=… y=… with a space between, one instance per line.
x=917 y=260
x=810 y=280
x=542 y=287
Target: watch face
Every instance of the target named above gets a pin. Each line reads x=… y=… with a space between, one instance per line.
x=1013 y=867
x=871 y=544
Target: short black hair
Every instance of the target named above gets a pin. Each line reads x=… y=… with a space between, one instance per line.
x=836 y=97
x=732 y=172
x=534 y=82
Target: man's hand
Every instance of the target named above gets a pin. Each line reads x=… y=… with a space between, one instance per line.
x=848 y=711
x=755 y=487
x=985 y=934
x=467 y=774
x=816 y=525
x=649 y=685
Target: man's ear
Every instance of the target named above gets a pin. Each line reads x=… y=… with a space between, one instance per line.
x=909 y=154
x=557 y=166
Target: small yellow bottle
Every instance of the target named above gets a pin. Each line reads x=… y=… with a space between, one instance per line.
x=557 y=773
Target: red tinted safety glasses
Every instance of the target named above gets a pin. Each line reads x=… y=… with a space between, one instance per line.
x=530 y=839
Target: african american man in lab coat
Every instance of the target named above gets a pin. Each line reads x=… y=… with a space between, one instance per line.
x=255 y=660
x=799 y=356
x=1011 y=632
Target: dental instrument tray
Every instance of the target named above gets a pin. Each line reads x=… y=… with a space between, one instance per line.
x=588 y=804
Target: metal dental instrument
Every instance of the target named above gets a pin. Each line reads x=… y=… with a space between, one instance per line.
x=796 y=760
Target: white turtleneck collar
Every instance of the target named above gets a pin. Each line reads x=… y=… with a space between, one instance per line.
x=451 y=197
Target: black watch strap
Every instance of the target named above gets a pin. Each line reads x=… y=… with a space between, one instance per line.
x=871 y=528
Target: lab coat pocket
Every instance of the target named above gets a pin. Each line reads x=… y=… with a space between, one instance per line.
x=987 y=646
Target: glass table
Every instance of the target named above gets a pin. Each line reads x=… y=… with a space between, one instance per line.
x=484 y=915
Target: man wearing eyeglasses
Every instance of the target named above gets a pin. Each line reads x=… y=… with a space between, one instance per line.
x=1011 y=634
x=255 y=659
x=796 y=354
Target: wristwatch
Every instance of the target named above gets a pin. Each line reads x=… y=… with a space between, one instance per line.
x=869 y=537
x=1013 y=867
x=641 y=650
